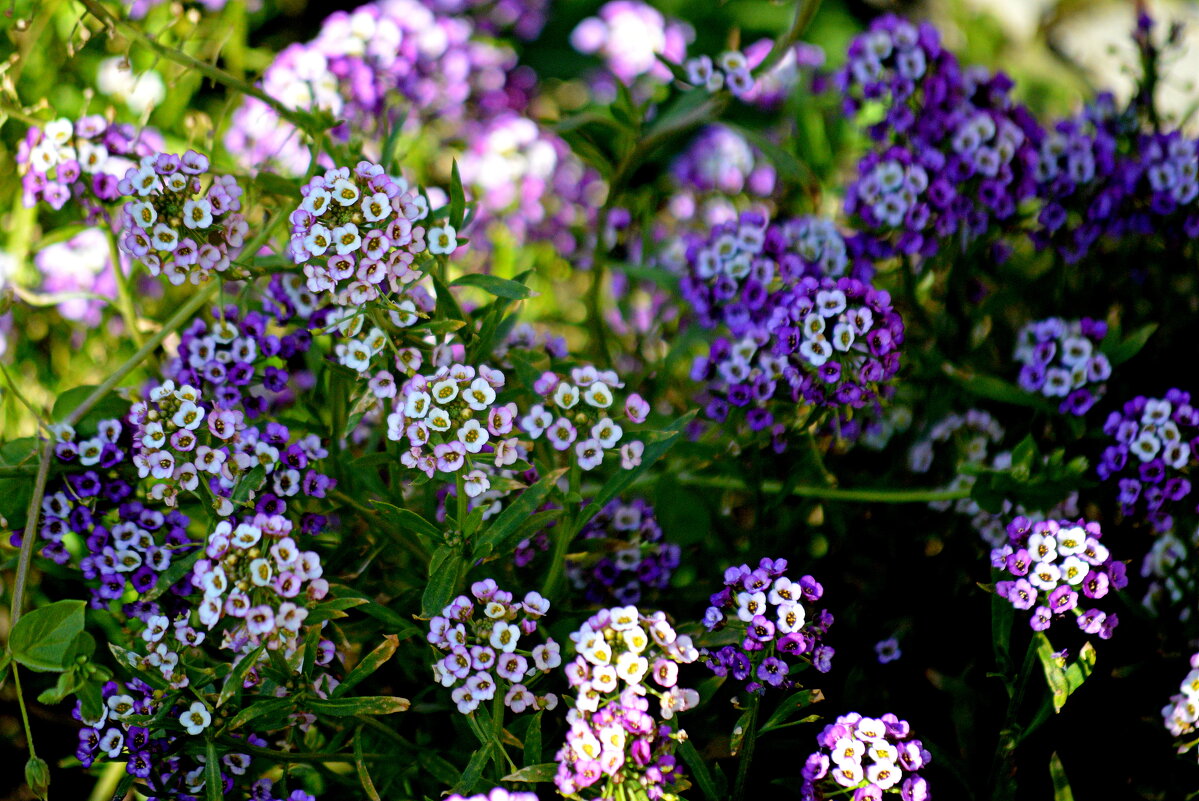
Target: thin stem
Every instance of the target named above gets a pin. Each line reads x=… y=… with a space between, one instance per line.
x=747 y=748
x=300 y=120
x=804 y=12
x=16 y=677
x=460 y=486
x=563 y=534
x=1002 y=766
x=30 y=534
x=124 y=297
x=833 y=493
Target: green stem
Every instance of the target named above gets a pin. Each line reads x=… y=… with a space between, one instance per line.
x=304 y=122
x=124 y=296
x=804 y=12
x=1003 y=765
x=497 y=734
x=563 y=535
x=922 y=495
x=747 y=749
x=460 y=484
x=16 y=677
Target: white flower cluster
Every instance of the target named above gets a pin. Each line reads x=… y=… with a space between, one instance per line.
x=586 y=398
x=1181 y=715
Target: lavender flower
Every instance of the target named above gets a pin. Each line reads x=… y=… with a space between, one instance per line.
x=1061 y=359
x=637 y=558
x=871 y=756
x=1154 y=449
x=175 y=226
x=82 y=263
x=1055 y=566
x=486 y=657
x=766 y=608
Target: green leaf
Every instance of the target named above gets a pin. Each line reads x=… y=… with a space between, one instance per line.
x=408 y=520
x=534 y=773
x=273 y=184
x=800 y=700
x=66 y=685
x=1061 y=785
x=364 y=776
x=237 y=676
x=494 y=285
x=393 y=622
x=1063 y=679
x=214 y=788
x=699 y=771
x=370 y=663
x=457 y=198
x=248 y=483
x=741 y=730
x=123 y=786
x=517 y=513
x=110 y=406
x=987 y=386
x=366 y=705
x=444 y=570
x=448 y=308
x=1131 y=345
x=92 y=698
x=262 y=708
x=42 y=640
x=675 y=69
x=474 y=770
x=656 y=447
x=532 y=746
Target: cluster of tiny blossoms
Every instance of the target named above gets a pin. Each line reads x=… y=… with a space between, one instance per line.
x=622 y=656
x=1051 y=562
x=639 y=559
x=354 y=230
x=1156 y=441
x=767 y=607
x=1061 y=359
x=731 y=69
x=871 y=756
x=484 y=657
x=84 y=159
x=254 y=575
x=575 y=412
x=439 y=417
x=1181 y=715
x=175 y=227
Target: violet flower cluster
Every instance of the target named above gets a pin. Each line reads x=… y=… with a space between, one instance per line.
x=766 y=610
x=622 y=657
x=1156 y=441
x=1054 y=566
x=870 y=756
x=485 y=658
x=1061 y=359
x=356 y=231
x=576 y=412
x=84 y=160
x=174 y=225
x=439 y=417
x=636 y=558
x=81 y=264
x=731 y=69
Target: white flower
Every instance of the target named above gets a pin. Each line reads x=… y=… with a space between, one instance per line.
x=196 y=718
x=443 y=239
x=566 y=396
x=473 y=436
x=196 y=213
x=504 y=637
x=476 y=483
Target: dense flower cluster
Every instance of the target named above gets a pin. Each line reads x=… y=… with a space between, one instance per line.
x=439 y=417
x=525 y=18
x=356 y=231
x=1061 y=359
x=623 y=656
x=485 y=657
x=720 y=160
x=255 y=577
x=731 y=69
x=734 y=274
x=370 y=67
x=174 y=225
x=1052 y=564
x=768 y=607
x=236 y=361
x=1181 y=715
x=871 y=756
x=1156 y=441
x=629 y=36
x=636 y=558
x=584 y=401
x=81 y=264
x=84 y=160
x=1171 y=579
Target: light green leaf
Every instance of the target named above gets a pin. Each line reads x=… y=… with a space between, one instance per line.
x=43 y=639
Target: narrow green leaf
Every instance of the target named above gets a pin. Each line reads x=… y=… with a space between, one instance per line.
x=364 y=776
x=67 y=682
x=448 y=308
x=444 y=570
x=237 y=676
x=699 y=771
x=1131 y=345
x=457 y=198
x=794 y=703
x=92 y=698
x=260 y=709
x=474 y=770
x=369 y=664
x=110 y=406
x=517 y=513
x=248 y=483
x=494 y=285
x=1055 y=673
x=273 y=184
x=534 y=773
x=741 y=730
x=366 y=705
x=532 y=746
x=408 y=520
x=178 y=569
x=988 y=386
x=43 y=638
x=1061 y=784
x=214 y=788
